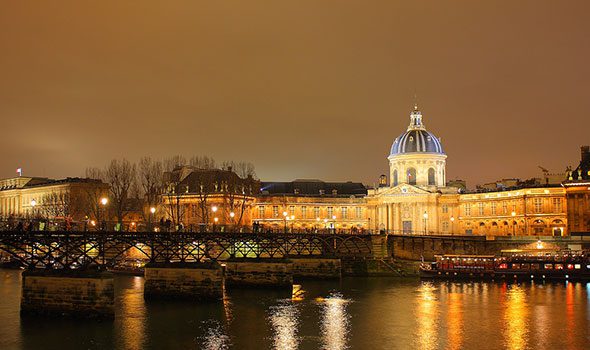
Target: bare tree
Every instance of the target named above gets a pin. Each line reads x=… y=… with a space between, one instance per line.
x=120 y=174
x=202 y=162
x=56 y=205
x=93 y=194
x=150 y=173
x=173 y=204
x=170 y=163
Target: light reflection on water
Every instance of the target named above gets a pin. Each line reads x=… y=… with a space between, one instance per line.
x=215 y=337
x=284 y=321
x=354 y=313
x=426 y=313
x=516 y=313
x=335 y=322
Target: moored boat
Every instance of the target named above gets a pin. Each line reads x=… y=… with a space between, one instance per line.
x=520 y=265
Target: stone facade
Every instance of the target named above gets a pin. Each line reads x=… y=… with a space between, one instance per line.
x=85 y=294
x=312 y=268
x=259 y=272
x=185 y=281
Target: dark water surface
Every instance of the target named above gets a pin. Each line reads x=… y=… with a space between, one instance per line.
x=357 y=313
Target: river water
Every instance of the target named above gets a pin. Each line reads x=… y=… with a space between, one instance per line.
x=353 y=313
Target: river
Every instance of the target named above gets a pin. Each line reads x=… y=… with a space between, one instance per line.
x=353 y=313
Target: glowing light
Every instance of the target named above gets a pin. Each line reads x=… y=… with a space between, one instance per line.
x=232 y=214
x=284 y=322
x=214 y=208
x=104 y=201
x=152 y=210
x=335 y=322
x=33 y=203
x=285 y=214
x=539 y=244
x=216 y=219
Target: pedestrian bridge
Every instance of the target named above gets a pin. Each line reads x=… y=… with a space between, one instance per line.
x=81 y=250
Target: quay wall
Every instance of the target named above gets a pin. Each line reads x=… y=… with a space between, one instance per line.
x=85 y=294
x=321 y=268
x=184 y=281
x=418 y=247
x=259 y=272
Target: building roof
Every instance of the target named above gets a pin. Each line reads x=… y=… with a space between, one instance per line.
x=314 y=188
x=416 y=139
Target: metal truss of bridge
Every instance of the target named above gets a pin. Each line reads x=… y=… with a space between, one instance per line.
x=79 y=250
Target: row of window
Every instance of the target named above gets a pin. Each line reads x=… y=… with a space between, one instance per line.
x=411 y=177
x=537 y=207
x=304 y=212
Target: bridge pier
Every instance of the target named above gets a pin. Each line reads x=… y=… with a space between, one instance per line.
x=76 y=293
x=184 y=280
x=317 y=268
x=259 y=272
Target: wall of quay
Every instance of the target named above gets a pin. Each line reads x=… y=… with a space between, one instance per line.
x=259 y=272
x=84 y=294
x=426 y=247
x=316 y=268
x=184 y=281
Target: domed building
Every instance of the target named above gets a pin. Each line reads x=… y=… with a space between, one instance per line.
x=410 y=200
x=417 y=157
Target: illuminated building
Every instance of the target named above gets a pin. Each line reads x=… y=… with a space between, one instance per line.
x=312 y=205
x=417 y=200
x=28 y=197
x=577 y=187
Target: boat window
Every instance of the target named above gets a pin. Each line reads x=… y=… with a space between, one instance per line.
x=548 y=266
x=524 y=266
x=503 y=266
x=516 y=266
x=570 y=266
x=534 y=266
x=559 y=266
x=577 y=266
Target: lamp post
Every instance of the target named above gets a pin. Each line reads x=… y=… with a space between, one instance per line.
x=215 y=219
x=334 y=223
x=425 y=222
x=513 y=223
x=33 y=204
x=452 y=226
x=232 y=215
x=285 y=220
x=152 y=212
x=316 y=225
x=103 y=201
x=292 y=222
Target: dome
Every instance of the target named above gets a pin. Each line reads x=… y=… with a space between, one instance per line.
x=416 y=139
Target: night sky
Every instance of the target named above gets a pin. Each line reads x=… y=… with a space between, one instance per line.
x=302 y=89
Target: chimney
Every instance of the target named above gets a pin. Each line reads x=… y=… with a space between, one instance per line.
x=585 y=154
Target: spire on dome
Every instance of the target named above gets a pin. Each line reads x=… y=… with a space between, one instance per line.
x=416 y=119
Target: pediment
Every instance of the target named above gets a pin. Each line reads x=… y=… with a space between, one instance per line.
x=403 y=189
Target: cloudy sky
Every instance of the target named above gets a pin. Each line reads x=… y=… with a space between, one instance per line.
x=302 y=89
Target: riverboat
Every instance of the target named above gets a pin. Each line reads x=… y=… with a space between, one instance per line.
x=519 y=265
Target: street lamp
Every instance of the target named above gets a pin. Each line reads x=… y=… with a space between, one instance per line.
x=452 y=222
x=103 y=201
x=425 y=222
x=334 y=223
x=214 y=210
x=232 y=215
x=513 y=223
x=292 y=222
x=285 y=220
x=152 y=212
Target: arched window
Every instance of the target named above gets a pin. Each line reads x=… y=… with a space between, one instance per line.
x=431 y=180
x=395 y=177
x=411 y=174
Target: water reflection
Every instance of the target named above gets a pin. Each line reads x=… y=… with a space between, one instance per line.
x=335 y=322
x=132 y=321
x=455 y=319
x=214 y=337
x=284 y=321
x=426 y=313
x=516 y=310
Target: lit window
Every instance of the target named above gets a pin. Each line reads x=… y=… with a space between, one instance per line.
x=493 y=208
x=480 y=207
x=261 y=211
x=275 y=211
x=303 y=212
x=292 y=210
x=344 y=211
x=359 y=212
x=330 y=212
x=445 y=208
x=316 y=212
x=538 y=205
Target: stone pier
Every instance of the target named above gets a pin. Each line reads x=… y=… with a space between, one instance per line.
x=75 y=293
x=259 y=272
x=184 y=281
x=316 y=268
